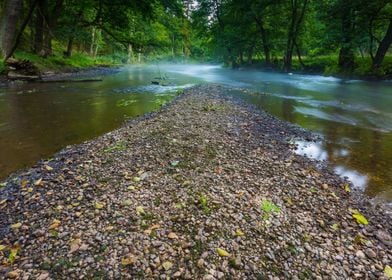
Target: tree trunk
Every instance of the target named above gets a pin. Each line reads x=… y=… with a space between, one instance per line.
x=92 y=41
x=297 y=16
x=50 y=24
x=264 y=39
x=68 y=53
x=250 y=55
x=39 y=28
x=9 y=20
x=22 y=28
x=346 y=54
x=299 y=55
x=383 y=47
x=130 y=54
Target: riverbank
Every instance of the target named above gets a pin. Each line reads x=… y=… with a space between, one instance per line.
x=327 y=66
x=58 y=67
x=205 y=188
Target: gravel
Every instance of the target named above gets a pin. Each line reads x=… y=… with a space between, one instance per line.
x=206 y=188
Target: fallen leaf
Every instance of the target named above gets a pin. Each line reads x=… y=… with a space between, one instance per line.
x=13 y=253
x=174 y=163
x=126 y=202
x=109 y=228
x=222 y=252
x=74 y=245
x=129 y=260
x=388 y=271
x=167 y=265
x=131 y=188
x=156 y=226
x=16 y=226
x=136 y=179
x=347 y=188
x=360 y=219
x=140 y=210
x=335 y=226
x=334 y=195
x=55 y=224
x=49 y=168
x=38 y=182
x=98 y=205
x=239 y=232
x=2 y=247
x=23 y=183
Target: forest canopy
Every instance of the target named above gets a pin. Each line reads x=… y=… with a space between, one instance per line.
x=336 y=36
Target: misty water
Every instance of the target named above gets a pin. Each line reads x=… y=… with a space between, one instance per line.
x=355 y=117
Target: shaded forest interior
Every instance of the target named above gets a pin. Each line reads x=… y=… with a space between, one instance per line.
x=327 y=36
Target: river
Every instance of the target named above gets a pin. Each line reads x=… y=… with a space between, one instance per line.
x=355 y=117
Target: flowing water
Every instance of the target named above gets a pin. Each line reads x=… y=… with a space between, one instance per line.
x=355 y=117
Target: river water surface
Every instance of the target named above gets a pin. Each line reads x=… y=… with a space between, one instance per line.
x=355 y=117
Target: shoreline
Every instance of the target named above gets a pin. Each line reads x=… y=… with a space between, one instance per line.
x=365 y=78
x=69 y=73
x=165 y=191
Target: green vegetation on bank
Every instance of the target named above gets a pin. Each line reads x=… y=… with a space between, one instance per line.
x=77 y=60
x=327 y=65
x=344 y=37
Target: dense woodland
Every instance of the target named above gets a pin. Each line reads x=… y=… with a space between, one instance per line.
x=330 y=36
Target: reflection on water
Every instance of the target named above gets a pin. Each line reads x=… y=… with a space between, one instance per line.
x=316 y=151
x=355 y=117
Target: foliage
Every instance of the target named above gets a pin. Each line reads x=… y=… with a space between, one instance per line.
x=331 y=37
x=268 y=207
x=359 y=218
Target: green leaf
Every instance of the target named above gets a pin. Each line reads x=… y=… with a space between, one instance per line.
x=98 y=205
x=388 y=271
x=136 y=179
x=360 y=219
x=269 y=207
x=13 y=252
x=347 y=188
x=140 y=210
x=174 y=163
x=222 y=253
x=167 y=265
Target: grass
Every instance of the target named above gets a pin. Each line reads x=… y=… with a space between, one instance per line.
x=59 y=62
x=328 y=65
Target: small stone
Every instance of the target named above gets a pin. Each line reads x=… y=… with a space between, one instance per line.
x=172 y=235
x=39 y=233
x=360 y=254
x=200 y=263
x=370 y=253
x=13 y=274
x=43 y=276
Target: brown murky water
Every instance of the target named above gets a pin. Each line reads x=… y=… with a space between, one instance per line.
x=355 y=117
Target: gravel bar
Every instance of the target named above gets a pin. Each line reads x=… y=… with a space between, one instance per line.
x=206 y=188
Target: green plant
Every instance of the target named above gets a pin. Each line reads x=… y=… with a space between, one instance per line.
x=268 y=207
x=204 y=204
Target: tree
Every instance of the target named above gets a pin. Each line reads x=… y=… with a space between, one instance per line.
x=297 y=9
x=12 y=10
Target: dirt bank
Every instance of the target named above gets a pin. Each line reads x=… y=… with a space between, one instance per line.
x=205 y=189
